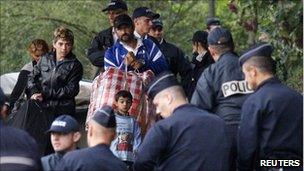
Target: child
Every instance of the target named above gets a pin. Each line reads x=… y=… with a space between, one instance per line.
x=128 y=137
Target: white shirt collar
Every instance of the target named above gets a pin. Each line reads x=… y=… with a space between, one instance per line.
x=129 y=48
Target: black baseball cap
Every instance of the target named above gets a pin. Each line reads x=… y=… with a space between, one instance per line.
x=157 y=22
x=213 y=21
x=116 y=4
x=144 y=11
x=122 y=19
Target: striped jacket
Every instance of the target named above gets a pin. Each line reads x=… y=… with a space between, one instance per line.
x=147 y=52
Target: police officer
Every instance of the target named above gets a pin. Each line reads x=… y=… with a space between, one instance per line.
x=142 y=18
x=213 y=23
x=187 y=139
x=221 y=89
x=101 y=132
x=64 y=137
x=106 y=38
x=19 y=151
x=178 y=63
x=201 y=59
x=272 y=117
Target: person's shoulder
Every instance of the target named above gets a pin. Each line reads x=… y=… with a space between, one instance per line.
x=106 y=32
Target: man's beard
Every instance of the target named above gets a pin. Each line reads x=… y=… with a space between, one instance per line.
x=127 y=37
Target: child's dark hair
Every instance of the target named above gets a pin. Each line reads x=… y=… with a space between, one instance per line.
x=124 y=94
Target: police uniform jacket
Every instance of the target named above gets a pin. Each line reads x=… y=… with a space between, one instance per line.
x=221 y=89
x=100 y=43
x=190 y=139
x=271 y=125
x=50 y=162
x=98 y=157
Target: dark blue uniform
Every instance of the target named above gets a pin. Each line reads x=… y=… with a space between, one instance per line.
x=19 y=151
x=190 y=139
x=221 y=89
x=50 y=162
x=271 y=125
x=98 y=157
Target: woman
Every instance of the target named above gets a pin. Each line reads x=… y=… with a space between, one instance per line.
x=37 y=48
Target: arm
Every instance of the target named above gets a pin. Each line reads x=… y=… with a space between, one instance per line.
x=203 y=95
x=96 y=51
x=151 y=149
x=19 y=87
x=33 y=83
x=137 y=137
x=110 y=59
x=70 y=90
x=184 y=68
x=248 y=136
x=157 y=62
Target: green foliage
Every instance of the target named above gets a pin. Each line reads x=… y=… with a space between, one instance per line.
x=22 y=21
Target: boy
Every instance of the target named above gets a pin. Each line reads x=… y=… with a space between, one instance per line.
x=128 y=137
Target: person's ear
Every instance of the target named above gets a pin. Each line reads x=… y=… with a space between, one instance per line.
x=76 y=136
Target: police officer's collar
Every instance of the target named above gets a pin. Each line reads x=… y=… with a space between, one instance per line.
x=268 y=81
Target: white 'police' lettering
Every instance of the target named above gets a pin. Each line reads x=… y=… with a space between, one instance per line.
x=59 y=123
x=235 y=87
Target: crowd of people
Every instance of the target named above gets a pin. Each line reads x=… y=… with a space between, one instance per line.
x=218 y=111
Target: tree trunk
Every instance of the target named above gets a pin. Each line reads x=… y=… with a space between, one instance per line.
x=211 y=8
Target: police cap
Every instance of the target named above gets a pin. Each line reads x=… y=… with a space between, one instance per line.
x=105 y=117
x=260 y=50
x=164 y=80
x=220 y=36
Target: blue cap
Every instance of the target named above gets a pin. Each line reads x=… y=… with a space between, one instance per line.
x=144 y=11
x=260 y=50
x=157 y=22
x=164 y=80
x=64 y=124
x=220 y=36
x=105 y=117
x=116 y=4
x=213 y=21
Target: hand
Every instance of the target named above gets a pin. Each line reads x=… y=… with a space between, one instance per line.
x=4 y=111
x=129 y=58
x=136 y=64
x=37 y=96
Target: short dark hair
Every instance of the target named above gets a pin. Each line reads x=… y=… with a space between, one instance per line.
x=124 y=94
x=264 y=64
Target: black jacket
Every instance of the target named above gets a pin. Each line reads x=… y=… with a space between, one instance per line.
x=177 y=61
x=198 y=68
x=57 y=81
x=100 y=43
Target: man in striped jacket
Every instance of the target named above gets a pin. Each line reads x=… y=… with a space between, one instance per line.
x=131 y=53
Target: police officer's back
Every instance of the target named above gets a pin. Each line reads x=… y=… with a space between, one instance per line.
x=272 y=117
x=98 y=155
x=221 y=89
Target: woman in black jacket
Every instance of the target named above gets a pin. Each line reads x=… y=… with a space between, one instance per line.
x=201 y=59
x=37 y=48
x=55 y=79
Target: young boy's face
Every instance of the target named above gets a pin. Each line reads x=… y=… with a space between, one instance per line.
x=123 y=104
